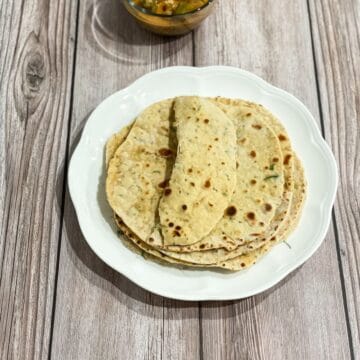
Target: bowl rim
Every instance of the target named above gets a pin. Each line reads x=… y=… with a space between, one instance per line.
x=148 y=12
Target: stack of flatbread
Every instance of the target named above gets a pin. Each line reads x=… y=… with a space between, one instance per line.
x=204 y=182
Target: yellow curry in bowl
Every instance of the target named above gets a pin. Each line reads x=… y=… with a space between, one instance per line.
x=169 y=17
x=171 y=7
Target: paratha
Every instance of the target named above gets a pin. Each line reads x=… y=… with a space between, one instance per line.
x=203 y=177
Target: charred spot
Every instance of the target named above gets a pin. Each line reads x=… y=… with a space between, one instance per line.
x=207 y=183
x=257 y=126
x=243 y=140
x=216 y=139
x=231 y=211
x=268 y=207
x=131 y=236
x=282 y=137
x=190 y=171
x=275 y=159
x=222 y=163
x=184 y=207
x=248 y=114
x=171 y=224
x=147 y=165
x=177 y=227
x=210 y=204
x=253 y=182
x=261 y=223
x=243 y=264
x=224 y=237
x=192 y=184
x=202 y=246
x=273 y=238
x=209 y=147
x=164 y=184
x=255 y=234
x=253 y=153
x=167 y=192
x=151 y=240
x=138 y=242
x=176 y=233
x=287 y=159
x=250 y=215
x=166 y=153
x=237 y=164
x=206 y=121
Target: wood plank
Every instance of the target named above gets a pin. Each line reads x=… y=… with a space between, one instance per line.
x=100 y=314
x=336 y=30
x=36 y=62
x=303 y=317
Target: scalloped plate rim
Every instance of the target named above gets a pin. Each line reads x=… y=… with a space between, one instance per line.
x=316 y=140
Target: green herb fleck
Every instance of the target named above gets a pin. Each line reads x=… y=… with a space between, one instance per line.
x=143 y=253
x=287 y=244
x=272 y=166
x=271 y=177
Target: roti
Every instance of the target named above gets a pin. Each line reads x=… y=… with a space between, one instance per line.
x=260 y=130
x=203 y=177
x=245 y=221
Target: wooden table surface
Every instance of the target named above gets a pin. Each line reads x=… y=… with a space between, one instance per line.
x=58 y=60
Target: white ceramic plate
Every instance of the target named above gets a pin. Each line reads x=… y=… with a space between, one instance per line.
x=86 y=183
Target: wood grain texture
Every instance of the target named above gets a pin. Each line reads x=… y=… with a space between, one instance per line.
x=99 y=314
x=303 y=317
x=336 y=33
x=36 y=54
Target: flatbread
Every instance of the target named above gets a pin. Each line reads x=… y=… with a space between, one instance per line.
x=139 y=167
x=285 y=214
x=203 y=178
x=252 y=134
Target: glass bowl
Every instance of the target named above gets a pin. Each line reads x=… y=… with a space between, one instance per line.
x=169 y=25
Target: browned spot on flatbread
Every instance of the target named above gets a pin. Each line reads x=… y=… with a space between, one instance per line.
x=231 y=210
x=164 y=184
x=166 y=153
x=250 y=215
x=287 y=159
